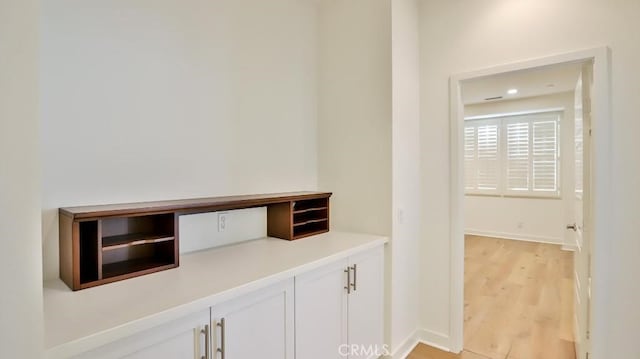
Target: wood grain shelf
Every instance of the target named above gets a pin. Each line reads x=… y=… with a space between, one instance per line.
x=106 y=243
x=189 y=206
x=130 y=267
x=310 y=232
x=133 y=239
x=310 y=221
x=309 y=210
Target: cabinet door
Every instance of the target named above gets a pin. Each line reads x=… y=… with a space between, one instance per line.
x=257 y=325
x=180 y=339
x=366 y=305
x=321 y=312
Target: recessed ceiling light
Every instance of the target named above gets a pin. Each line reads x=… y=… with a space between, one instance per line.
x=512 y=91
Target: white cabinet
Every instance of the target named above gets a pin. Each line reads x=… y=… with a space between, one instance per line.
x=336 y=312
x=185 y=338
x=321 y=311
x=258 y=325
x=339 y=309
x=366 y=305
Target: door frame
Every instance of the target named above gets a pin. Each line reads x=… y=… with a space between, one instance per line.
x=601 y=192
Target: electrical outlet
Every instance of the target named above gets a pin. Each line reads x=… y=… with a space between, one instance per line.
x=222 y=221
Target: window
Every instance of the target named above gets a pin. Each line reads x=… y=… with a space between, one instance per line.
x=515 y=155
x=482 y=155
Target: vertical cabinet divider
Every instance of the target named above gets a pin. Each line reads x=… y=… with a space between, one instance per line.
x=100 y=249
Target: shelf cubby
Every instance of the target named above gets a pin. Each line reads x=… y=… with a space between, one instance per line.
x=127 y=261
x=310 y=205
x=309 y=216
x=298 y=219
x=89 y=251
x=118 y=247
x=310 y=228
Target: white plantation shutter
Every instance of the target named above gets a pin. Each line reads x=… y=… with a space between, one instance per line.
x=482 y=156
x=513 y=155
x=470 y=178
x=579 y=155
x=545 y=155
x=488 y=157
x=517 y=166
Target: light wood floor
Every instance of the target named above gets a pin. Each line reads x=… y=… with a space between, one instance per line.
x=518 y=302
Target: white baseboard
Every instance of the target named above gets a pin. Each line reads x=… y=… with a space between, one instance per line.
x=427 y=337
x=515 y=236
x=569 y=247
x=403 y=350
x=434 y=339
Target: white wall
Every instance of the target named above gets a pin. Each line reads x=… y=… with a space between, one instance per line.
x=159 y=99
x=461 y=36
x=354 y=113
x=406 y=173
x=528 y=219
x=354 y=117
x=535 y=219
x=21 y=254
x=201 y=231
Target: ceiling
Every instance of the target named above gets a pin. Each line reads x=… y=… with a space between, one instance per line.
x=532 y=82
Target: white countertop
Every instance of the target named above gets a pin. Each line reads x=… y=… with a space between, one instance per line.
x=79 y=321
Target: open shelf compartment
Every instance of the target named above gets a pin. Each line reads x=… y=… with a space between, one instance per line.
x=310 y=217
x=310 y=205
x=137 y=243
x=122 y=247
x=309 y=229
x=89 y=251
x=128 y=260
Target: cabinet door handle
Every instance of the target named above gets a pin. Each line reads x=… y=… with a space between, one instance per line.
x=348 y=286
x=220 y=350
x=207 y=352
x=355 y=276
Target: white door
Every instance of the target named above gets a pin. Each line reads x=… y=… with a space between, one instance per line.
x=185 y=338
x=582 y=256
x=257 y=325
x=366 y=305
x=321 y=312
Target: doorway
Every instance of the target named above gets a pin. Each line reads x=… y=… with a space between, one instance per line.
x=596 y=197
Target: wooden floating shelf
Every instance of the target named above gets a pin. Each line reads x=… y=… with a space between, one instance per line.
x=190 y=206
x=106 y=243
